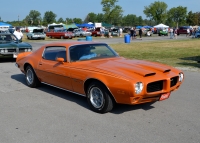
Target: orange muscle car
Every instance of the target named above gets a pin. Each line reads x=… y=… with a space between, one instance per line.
x=96 y=71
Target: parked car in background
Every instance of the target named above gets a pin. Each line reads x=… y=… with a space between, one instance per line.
x=81 y=33
x=10 y=46
x=197 y=34
x=163 y=32
x=96 y=32
x=94 y=70
x=11 y=29
x=61 y=34
x=37 y=33
x=183 y=30
x=145 y=32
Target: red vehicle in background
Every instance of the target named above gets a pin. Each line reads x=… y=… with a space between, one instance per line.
x=62 y=34
x=183 y=30
x=96 y=32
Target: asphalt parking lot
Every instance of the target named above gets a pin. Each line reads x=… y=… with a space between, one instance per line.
x=50 y=115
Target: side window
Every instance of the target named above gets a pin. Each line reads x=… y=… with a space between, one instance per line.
x=52 y=53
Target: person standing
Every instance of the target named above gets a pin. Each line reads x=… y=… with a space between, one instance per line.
x=175 y=33
x=171 y=33
x=188 y=32
x=120 y=32
x=131 y=33
x=18 y=34
x=140 y=33
x=134 y=33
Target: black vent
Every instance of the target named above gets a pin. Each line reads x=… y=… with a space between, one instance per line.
x=155 y=86
x=11 y=50
x=173 y=81
x=167 y=71
x=150 y=74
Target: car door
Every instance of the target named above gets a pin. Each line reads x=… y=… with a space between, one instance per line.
x=52 y=71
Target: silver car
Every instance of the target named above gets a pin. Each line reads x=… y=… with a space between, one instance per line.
x=37 y=33
x=81 y=33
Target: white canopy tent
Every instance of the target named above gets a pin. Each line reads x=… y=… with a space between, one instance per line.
x=161 y=26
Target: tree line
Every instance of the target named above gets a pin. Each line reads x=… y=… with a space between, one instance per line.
x=112 y=13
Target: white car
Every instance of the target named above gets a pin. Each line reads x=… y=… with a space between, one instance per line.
x=36 y=33
x=81 y=33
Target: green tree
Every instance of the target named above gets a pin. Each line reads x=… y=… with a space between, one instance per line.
x=130 y=20
x=34 y=17
x=60 y=20
x=91 y=17
x=111 y=10
x=192 y=18
x=177 y=15
x=49 y=17
x=77 y=20
x=140 y=20
x=156 y=11
x=100 y=17
x=69 y=21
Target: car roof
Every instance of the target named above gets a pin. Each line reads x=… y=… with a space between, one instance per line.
x=72 y=43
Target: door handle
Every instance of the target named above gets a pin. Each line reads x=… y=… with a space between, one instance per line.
x=40 y=63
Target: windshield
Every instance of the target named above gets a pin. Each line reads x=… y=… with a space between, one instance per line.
x=6 y=38
x=91 y=51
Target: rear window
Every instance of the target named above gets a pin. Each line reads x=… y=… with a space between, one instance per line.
x=52 y=53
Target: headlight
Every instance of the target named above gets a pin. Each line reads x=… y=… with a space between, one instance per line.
x=138 y=87
x=29 y=50
x=181 y=77
x=6 y=51
x=2 y=51
x=25 y=50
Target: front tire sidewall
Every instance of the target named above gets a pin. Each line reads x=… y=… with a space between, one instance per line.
x=31 y=78
x=105 y=107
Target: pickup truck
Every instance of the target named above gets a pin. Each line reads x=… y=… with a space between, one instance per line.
x=62 y=34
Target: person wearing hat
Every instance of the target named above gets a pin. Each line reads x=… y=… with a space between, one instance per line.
x=18 y=33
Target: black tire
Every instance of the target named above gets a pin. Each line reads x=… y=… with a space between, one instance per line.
x=27 y=37
x=43 y=39
x=31 y=78
x=95 y=35
x=103 y=98
x=81 y=35
x=50 y=37
x=31 y=38
x=61 y=37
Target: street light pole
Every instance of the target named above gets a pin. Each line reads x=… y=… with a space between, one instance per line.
x=18 y=19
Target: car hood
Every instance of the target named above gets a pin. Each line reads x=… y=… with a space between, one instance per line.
x=13 y=44
x=130 y=69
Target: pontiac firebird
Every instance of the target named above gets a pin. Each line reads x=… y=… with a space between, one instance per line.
x=104 y=79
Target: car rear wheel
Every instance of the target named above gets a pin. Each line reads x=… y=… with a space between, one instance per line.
x=27 y=37
x=31 y=78
x=61 y=37
x=99 y=98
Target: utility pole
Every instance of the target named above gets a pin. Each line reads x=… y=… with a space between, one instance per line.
x=18 y=19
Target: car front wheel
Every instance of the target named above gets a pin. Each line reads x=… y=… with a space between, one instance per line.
x=31 y=78
x=99 y=98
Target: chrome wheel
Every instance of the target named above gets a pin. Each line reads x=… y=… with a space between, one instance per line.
x=29 y=76
x=96 y=97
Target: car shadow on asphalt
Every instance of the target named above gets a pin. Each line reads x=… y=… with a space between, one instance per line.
x=121 y=108
x=80 y=100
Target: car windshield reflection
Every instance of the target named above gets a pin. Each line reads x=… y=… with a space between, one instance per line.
x=90 y=52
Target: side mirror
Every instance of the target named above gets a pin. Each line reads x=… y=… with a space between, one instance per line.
x=61 y=60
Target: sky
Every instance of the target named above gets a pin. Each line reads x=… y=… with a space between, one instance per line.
x=12 y=10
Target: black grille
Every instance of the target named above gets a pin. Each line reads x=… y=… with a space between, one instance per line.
x=11 y=50
x=173 y=81
x=155 y=86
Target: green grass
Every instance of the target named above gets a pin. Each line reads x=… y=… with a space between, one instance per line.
x=179 y=53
